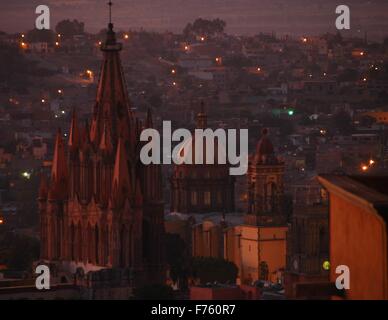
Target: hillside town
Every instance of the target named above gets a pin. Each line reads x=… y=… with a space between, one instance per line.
x=316 y=112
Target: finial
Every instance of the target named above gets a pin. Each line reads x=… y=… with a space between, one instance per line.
x=110 y=4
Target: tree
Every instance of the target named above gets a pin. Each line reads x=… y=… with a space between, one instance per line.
x=209 y=269
x=67 y=28
x=204 y=27
x=176 y=256
x=43 y=35
x=17 y=251
x=15 y=73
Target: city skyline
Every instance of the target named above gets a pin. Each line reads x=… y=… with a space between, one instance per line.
x=246 y=17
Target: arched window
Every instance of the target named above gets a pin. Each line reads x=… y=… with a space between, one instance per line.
x=79 y=256
x=107 y=246
x=96 y=244
x=90 y=244
x=122 y=246
x=194 y=198
x=72 y=242
x=207 y=198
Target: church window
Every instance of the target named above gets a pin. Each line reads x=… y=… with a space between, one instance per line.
x=207 y=198
x=194 y=198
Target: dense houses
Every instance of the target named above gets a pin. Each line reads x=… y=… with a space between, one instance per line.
x=314 y=106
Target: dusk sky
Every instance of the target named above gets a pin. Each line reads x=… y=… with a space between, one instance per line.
x=242 y=16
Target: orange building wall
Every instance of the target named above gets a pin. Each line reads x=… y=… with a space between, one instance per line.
x=247 y=252
x=358 y=240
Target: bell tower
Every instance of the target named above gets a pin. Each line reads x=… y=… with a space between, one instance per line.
x=265 y=185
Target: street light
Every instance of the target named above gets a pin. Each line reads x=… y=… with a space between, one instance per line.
x=26 y=175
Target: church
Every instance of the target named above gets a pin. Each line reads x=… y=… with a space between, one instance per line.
x=102 y=208
x=202 y=188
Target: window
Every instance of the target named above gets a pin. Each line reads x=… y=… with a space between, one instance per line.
x=219 y=197
x=207 y=198
x=194 y=199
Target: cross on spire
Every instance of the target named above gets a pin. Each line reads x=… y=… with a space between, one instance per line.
x=110 y=4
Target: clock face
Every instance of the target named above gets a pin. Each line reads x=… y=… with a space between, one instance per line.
x=295 y=264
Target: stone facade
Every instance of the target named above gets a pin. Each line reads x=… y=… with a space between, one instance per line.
x=103 y=208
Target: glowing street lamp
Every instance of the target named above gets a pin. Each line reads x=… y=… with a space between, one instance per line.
x=371 y=162
x=326 y=265
x=173 y=71
x=26 y=175
x=1 y=221
x=60 y=91
x=126 y=36
x=89 y=73
x=364 y=167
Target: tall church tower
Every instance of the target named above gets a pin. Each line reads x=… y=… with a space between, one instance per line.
x=103 y=208
x=265 y=185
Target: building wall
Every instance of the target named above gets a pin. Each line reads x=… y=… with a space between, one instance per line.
x=207 y=240
x=249 y=246
x=358 y=239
